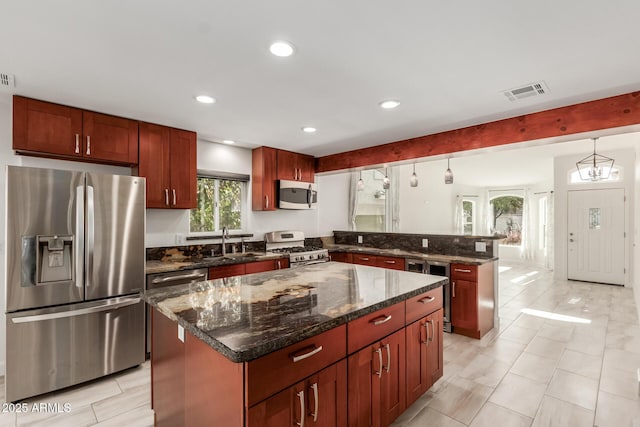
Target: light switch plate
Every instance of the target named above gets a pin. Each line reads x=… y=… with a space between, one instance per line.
x=425 y=243
x=481 y=247
x=359 y=239
x=179 y=238
x=180 y=333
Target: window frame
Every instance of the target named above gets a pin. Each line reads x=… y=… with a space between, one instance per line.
x=507 y=193
x=244 y=204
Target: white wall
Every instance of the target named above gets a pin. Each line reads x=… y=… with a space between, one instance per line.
x=562 y=165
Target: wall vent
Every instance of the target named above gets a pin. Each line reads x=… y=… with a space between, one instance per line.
x=7 y=81
x=527 y=91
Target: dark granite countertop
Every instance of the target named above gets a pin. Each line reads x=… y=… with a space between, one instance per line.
x=410 y=254
x=245 y=317
x=191 y=263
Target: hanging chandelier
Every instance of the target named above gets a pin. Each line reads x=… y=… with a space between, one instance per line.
x=595 y=167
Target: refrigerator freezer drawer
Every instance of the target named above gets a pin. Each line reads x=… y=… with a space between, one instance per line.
x=53 y=348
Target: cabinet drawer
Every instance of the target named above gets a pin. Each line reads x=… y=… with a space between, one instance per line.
x=226 y=271
x=424 y=304
x=374 y=326
x=341 y=257
x=276 y=371
x=259 y=266
x=392 y=263
x=464 y=272
x=364 y=259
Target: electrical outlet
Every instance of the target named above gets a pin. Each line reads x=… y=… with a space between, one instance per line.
x=481 y=247
x=180 y=333
x=359 y=239
x=179 y=238
x=425 y=243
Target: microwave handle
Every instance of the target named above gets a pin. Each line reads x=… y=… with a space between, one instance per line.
x=309 y=196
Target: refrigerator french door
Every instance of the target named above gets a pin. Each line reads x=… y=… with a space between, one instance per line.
x=75 y=270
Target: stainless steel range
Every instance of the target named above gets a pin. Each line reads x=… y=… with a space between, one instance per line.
x=292 y=243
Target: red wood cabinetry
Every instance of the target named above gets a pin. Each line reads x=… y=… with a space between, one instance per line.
x=393 y=263
x=263 y=177
x=50 y=130
x=365 y=259
x=424 y=340
x=168 y=162
x=227 y=271
x=295 y=167
x=247 y=268
x=341 y=257
x=472 y=302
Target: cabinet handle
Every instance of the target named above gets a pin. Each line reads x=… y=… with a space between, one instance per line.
x=166 y=196
x=298 y=357
x=379 y=373
x=77 y=143
x=433 y=330
x=380 y=320
x=278 y=264
x=300 y=395
x=363 y=259
x=88 y=145
x=388 y=358
x=174 y=196
x=426 y=328
x=427 y=299
x=266 y=202
x=314 y=389
x=460 y=270
x=390 y=262
x=453 y=289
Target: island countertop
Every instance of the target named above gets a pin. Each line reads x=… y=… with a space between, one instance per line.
x=246 y=317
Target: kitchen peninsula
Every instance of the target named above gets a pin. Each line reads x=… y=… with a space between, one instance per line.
x=272 y=349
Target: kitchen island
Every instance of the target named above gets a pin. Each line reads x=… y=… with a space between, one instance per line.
x=272 y=349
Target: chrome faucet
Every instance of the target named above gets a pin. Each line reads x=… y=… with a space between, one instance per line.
x=225 y=236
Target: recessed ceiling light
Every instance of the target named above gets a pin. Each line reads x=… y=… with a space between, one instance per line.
x=281 y=48
x=309 y=129
x=389 y=104
x=228 y=141
x=205 y=99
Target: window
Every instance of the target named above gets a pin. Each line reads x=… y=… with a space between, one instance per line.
x=221 y=203
x=468 y=216
x=507 y=218
x=371 y=203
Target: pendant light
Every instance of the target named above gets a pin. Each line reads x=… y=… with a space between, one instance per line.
x=360 y=185
x=414 y=178
x=386 y=183
x=448 y=175
x=595 y=167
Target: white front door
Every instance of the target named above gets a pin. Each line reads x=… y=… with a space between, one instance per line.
x=596 y=237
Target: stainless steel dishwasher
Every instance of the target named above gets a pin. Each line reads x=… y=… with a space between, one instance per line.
x=436 y=268
x=173 y=278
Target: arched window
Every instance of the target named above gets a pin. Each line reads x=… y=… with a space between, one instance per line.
x=506 y=218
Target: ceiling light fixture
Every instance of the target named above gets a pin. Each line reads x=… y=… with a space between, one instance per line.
x=228 y=141
x=389 y=104
x=309 y=129
x=386 y=182
x=595 y=167
x=360 y=185
x=205 y=99
x=281 y=48
x=414 y=178
x=448 y=175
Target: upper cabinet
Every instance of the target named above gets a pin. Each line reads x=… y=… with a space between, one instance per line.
x=270 y=165
x=295 y=167
x=168 y=162
x=51 y=130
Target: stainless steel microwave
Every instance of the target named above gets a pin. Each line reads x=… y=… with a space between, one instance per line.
x=297 y=195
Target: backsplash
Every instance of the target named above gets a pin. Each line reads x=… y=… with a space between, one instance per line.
x=437 y=243
x=177 y=253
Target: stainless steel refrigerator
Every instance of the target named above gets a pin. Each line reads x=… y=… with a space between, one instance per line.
x=75 y=269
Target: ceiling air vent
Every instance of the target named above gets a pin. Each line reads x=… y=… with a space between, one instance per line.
x=7 y=81
x=527 y=91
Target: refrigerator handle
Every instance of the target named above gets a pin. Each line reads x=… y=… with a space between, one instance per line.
x=79 y=243
x=103 y=306
x=90 y=236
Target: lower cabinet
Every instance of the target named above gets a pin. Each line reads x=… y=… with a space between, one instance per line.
x=247 y=268
x=424 y=354
x=320 y=400
x=376 y=382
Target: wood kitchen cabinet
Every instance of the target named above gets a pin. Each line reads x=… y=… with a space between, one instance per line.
x=472 y=301
x=247 y=268
x=424 y=339
x=51 y=130
x=227 y=271
x=295 y=167
x=365 y=259
x=393 y=263
x=168 y=162
x=263 y=179
x=341 y=257
x=320 y=400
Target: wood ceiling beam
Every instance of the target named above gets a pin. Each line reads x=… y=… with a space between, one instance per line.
x=606 y=113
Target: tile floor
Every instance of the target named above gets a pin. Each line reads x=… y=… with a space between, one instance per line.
x=569 y=359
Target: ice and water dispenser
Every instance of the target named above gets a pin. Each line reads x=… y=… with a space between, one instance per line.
x=47 y=260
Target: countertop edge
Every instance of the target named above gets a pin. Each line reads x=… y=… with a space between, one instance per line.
x=460 y=259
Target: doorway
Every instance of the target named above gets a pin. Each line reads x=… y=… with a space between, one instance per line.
x=596 y=236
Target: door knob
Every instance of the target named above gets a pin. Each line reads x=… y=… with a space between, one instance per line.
x=571 y=240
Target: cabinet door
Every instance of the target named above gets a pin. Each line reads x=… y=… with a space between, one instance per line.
x=287 y=165
x=363 y=387
x=154 y=163
x=260 y=266
x=183 y=169
x=287 y=408
x=417 y=342
x=109 y=138
x=306 y=168
x=393 y=263
x=464 y=308
x=327 y=397
x=393 y=386
x=263 y=177
x=435 y=362
x=341 y=257
x=47 y=128
x=227 y=271
x=365 y=259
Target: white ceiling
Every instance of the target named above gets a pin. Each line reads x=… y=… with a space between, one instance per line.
x=447 y=63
